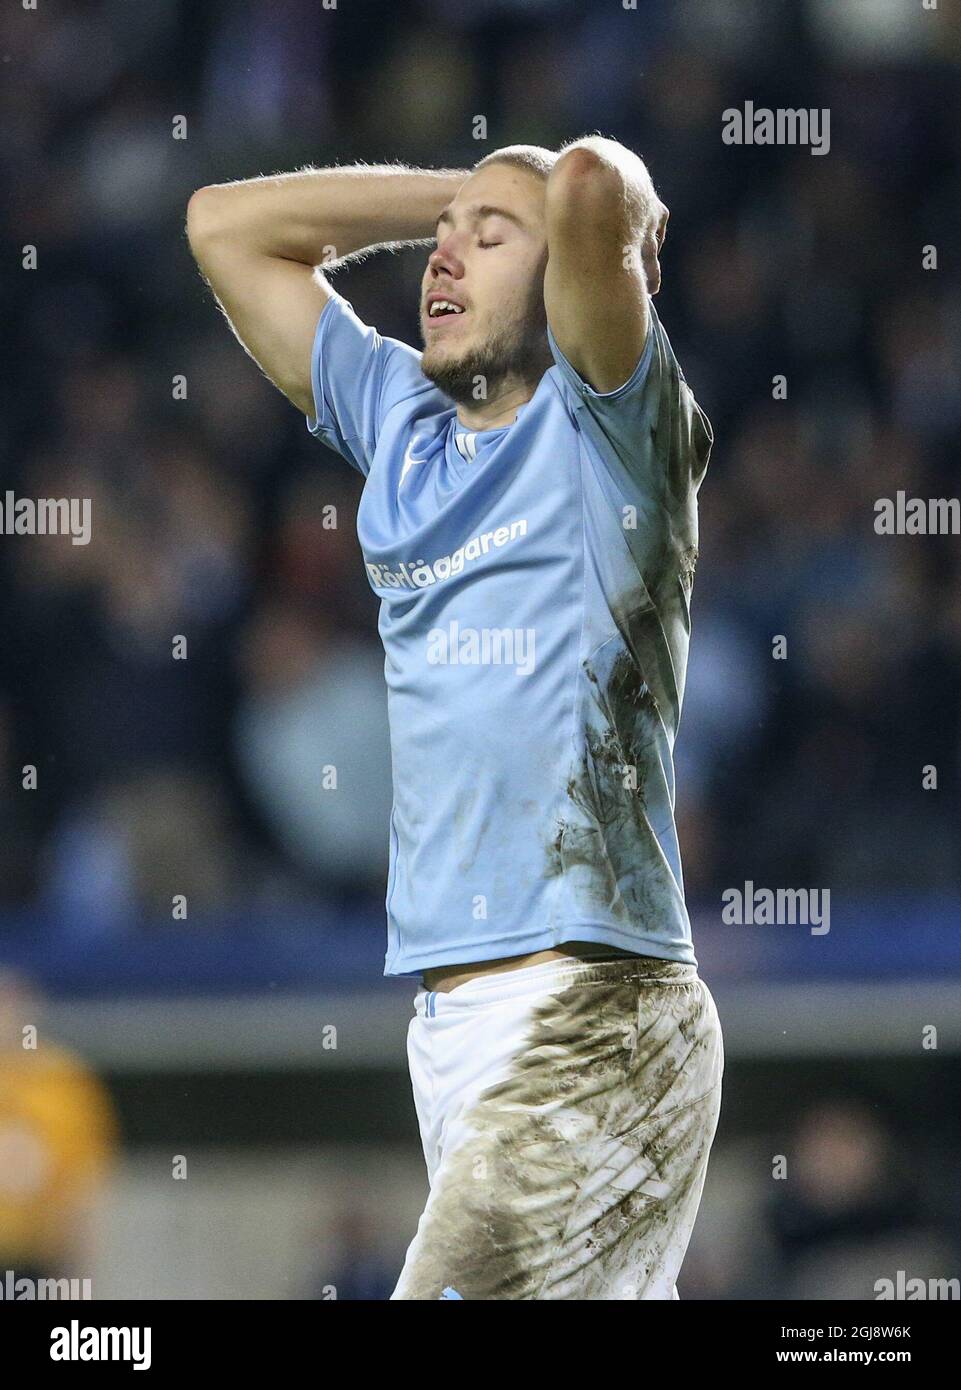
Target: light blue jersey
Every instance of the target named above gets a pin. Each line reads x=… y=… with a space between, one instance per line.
x=535 y=584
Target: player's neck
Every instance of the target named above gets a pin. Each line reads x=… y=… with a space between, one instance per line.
x=499 y=410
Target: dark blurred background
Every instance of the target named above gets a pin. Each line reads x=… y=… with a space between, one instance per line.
x=255 y=1037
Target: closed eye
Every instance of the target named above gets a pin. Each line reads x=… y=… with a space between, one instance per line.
x=485 y=245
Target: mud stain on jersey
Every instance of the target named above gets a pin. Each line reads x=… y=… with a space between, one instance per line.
x=607 y=831
x=580 y=1165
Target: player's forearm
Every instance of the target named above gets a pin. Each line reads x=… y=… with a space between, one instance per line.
x=316 y=216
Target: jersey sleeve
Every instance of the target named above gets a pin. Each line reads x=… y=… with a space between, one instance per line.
x=652 y=423
x=357 y=378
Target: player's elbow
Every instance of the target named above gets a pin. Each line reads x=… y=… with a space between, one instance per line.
x=203 y=215
x=577 y=164
x=583 y=189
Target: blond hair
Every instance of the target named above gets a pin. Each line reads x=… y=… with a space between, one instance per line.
x=534 y=158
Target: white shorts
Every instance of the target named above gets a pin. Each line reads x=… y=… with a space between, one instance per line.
x=567 y=1112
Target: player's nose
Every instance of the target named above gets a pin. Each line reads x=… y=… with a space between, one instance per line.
x=443 y=260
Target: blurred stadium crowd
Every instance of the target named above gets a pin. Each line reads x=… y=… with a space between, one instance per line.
x=216 y=516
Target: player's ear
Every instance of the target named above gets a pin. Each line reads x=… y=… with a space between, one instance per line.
x=651 y=246
x=651 y=265
x=662 y=222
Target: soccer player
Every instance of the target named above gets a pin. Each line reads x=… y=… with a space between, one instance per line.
x=528 y=522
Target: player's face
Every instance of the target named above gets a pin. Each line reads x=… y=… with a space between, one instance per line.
x=482 y=297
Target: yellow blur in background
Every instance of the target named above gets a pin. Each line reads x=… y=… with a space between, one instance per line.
x=58 y=1142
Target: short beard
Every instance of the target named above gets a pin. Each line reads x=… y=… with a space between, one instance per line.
x=518 y=352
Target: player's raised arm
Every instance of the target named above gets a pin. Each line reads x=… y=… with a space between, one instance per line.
x=605 y=228
x=258 y=243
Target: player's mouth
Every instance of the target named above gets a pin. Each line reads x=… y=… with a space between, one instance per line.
x=441 y=309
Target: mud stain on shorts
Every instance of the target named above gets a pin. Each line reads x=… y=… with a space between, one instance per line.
x=577 y=1177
